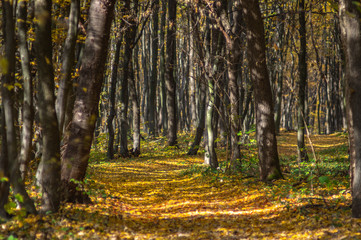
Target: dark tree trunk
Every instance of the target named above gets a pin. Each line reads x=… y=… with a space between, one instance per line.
x=302 y=86
x=170 y=78
x=197 y=44
x=49 y=167
x=65 y=83
x=233 y=57
x=76 y=155
x=130 y=35
x=113 y=88
x=163 y=120
x=153 y=80
x=4 y=171
x=28 y=108
x=8 y=103
x=266 y=137
x=351 y=36
x=201 y=122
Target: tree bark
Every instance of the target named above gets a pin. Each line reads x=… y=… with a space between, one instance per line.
x=28 y=108
x=266 y=137
x=302 y=86
x=351 y=36
x=136 y=113
x=8 y=103
x=163 y=120
x=113 y=88
x=4 y=171
x=81 y=130
x=50 y=160
x=65 y=83
x=170 y=79
x=130 y=35
x=154 y=77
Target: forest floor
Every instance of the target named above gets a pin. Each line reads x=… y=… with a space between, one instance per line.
x=166 y=194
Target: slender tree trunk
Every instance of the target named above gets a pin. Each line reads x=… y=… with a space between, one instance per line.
x=76 y=155
x=266 y=137
x=192 y=71
x=153 y=80
x=113 y=88
x=201 y=122
x=351 y=36
x=65 y=83
x=170 y=78
x=28 y=108
x=130 y=35
x=163 y=119
x=234 y=56
x=8 y=103
x=302 y=86
x=4 y=171
x=136 y=113
x=50 y=160
x=213 y=48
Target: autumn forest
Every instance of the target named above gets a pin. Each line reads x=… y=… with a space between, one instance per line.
x=179 y=119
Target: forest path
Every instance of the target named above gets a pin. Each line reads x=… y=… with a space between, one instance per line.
x=166 y=195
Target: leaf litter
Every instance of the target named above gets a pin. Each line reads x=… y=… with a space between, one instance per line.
x=166 y=194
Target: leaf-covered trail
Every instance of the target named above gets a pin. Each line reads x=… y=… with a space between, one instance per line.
x=168 y=195
x=151 y=197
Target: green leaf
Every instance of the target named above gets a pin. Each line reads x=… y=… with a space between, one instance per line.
x=4 y=179
x=19 y=197
x=324 y=179
x=11 y=237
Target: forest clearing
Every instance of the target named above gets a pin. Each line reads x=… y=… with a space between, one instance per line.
x=166 y=194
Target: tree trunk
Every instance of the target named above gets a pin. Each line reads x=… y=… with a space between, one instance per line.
x=113 y=88
x=201 y=122
x=302 y=86
x=65 y=83
x=76 y=155
x=4 y=171
x=8 y=103
x=170 y=79
x=28 y=108
x=163 y=119
x=50 y=160
x=210 y=157
x=351 y=36
x=234 y=56
x=136 y=112
x=153 y=80
x=130 y=35
x=266 y=137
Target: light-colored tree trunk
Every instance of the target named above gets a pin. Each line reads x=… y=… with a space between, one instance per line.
x=81 y=130
x=28 y=108
x=67 y=65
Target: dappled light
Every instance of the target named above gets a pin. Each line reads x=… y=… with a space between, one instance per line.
x=166 y=194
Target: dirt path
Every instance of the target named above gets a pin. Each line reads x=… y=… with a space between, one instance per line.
x=150 y=198
x=168 y=195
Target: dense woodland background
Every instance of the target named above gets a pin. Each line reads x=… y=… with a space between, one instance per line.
x=82 y=74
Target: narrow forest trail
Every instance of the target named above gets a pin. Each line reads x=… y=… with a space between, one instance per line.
x=153 y=198
x=166 y=194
